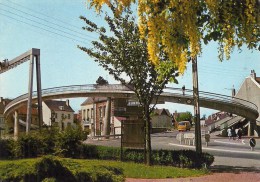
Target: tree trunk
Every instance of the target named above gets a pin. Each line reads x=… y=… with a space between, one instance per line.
x=148 y=148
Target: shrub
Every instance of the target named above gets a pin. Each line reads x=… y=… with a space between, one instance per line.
x=135 y=155
x=49 y=167
x=179 y=158
x=28 y=145
x=69 y=142
x=49 y=137
x=52 y=169
x=6 y=147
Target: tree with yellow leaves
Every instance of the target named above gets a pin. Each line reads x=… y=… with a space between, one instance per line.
x=180 y=26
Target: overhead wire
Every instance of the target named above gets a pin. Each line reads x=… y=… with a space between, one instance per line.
x=43 y=24
x=46 y=27
x=203 y=68
x=42 y=28
x=38 y=12
x=47 y=20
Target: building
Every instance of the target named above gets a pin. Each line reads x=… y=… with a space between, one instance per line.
x=22 y=114
x=94 y=110
x=57 y=113
x=3 y=103
x=7 y=125
x=250 y=91
x=161 y=118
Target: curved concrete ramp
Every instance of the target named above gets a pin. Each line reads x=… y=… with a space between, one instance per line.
x=208 y=100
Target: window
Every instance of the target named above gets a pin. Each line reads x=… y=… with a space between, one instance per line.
x=84 y=113
x=87 y=113
x=100 y=112
x=62 y=116
x=104 y=111
x=92 y=113
x=68 y=116
x=56 y=115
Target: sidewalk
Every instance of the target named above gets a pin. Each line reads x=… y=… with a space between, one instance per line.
x=214 y=177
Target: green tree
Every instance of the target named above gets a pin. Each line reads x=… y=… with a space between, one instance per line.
x=185 y=116
x=101 y=81
x=123 y=54
x=179 y=27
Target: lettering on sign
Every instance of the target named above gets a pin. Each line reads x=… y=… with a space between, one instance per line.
x=189 y=135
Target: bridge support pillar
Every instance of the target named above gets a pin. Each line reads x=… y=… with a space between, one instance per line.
x=252 y=129
x=16 y=124
x=34 y=53
x=39 y=91
x=107 y=117
x=30 y=90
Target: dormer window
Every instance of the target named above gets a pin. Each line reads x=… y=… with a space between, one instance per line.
x=61 y=108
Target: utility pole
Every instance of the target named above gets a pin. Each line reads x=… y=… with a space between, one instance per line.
x=196 y=105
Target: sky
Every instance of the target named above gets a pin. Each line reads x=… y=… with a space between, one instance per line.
x=54 y=27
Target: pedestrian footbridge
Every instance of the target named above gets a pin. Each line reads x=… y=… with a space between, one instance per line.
x=175 y=95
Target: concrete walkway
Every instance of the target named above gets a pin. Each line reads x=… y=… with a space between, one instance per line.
x=214 y=177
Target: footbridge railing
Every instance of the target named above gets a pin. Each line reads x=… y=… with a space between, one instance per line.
x=177 y=95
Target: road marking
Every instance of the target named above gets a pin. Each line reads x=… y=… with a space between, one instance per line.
x=231 y=143
x=214 y=149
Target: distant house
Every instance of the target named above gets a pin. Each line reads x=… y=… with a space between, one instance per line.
x=161 y=118
x=3 y=103
x=8 y=123
x=22 y=114
x=57 y=113
x=93 y=114
x=250 y=91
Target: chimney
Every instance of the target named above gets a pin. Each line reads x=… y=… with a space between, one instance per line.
x=253 y=74
x=233 y=92
x=67 y=102
x=1 y=99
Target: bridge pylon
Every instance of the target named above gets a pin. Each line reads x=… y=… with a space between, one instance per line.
x=34 y=56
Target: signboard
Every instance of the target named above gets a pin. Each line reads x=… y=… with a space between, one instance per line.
x=189 y=135
x=133 y=135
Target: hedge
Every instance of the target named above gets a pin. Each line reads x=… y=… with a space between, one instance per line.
x=178 y=158
x=68 y=144
x=53 y=169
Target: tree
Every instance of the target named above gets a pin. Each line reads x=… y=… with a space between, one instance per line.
x=123 y=54
x=180 y=27
x=101 y=81
x=185 y=116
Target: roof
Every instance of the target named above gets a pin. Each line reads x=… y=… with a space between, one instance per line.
x=120 y=118
x=257 y=79
x=2 y=106
x=162 y=112
x=23 y=110
x=55 y=105
x=89 y=100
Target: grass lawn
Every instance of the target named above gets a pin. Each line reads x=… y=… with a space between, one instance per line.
x=134 y=170
x=130 y=170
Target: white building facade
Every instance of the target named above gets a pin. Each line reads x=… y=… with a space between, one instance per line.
x=57 y=113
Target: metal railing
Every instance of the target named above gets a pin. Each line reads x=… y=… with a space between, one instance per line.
x=118 y=88
x=214 y=97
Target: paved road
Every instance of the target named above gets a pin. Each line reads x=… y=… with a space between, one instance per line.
x=229 y=155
